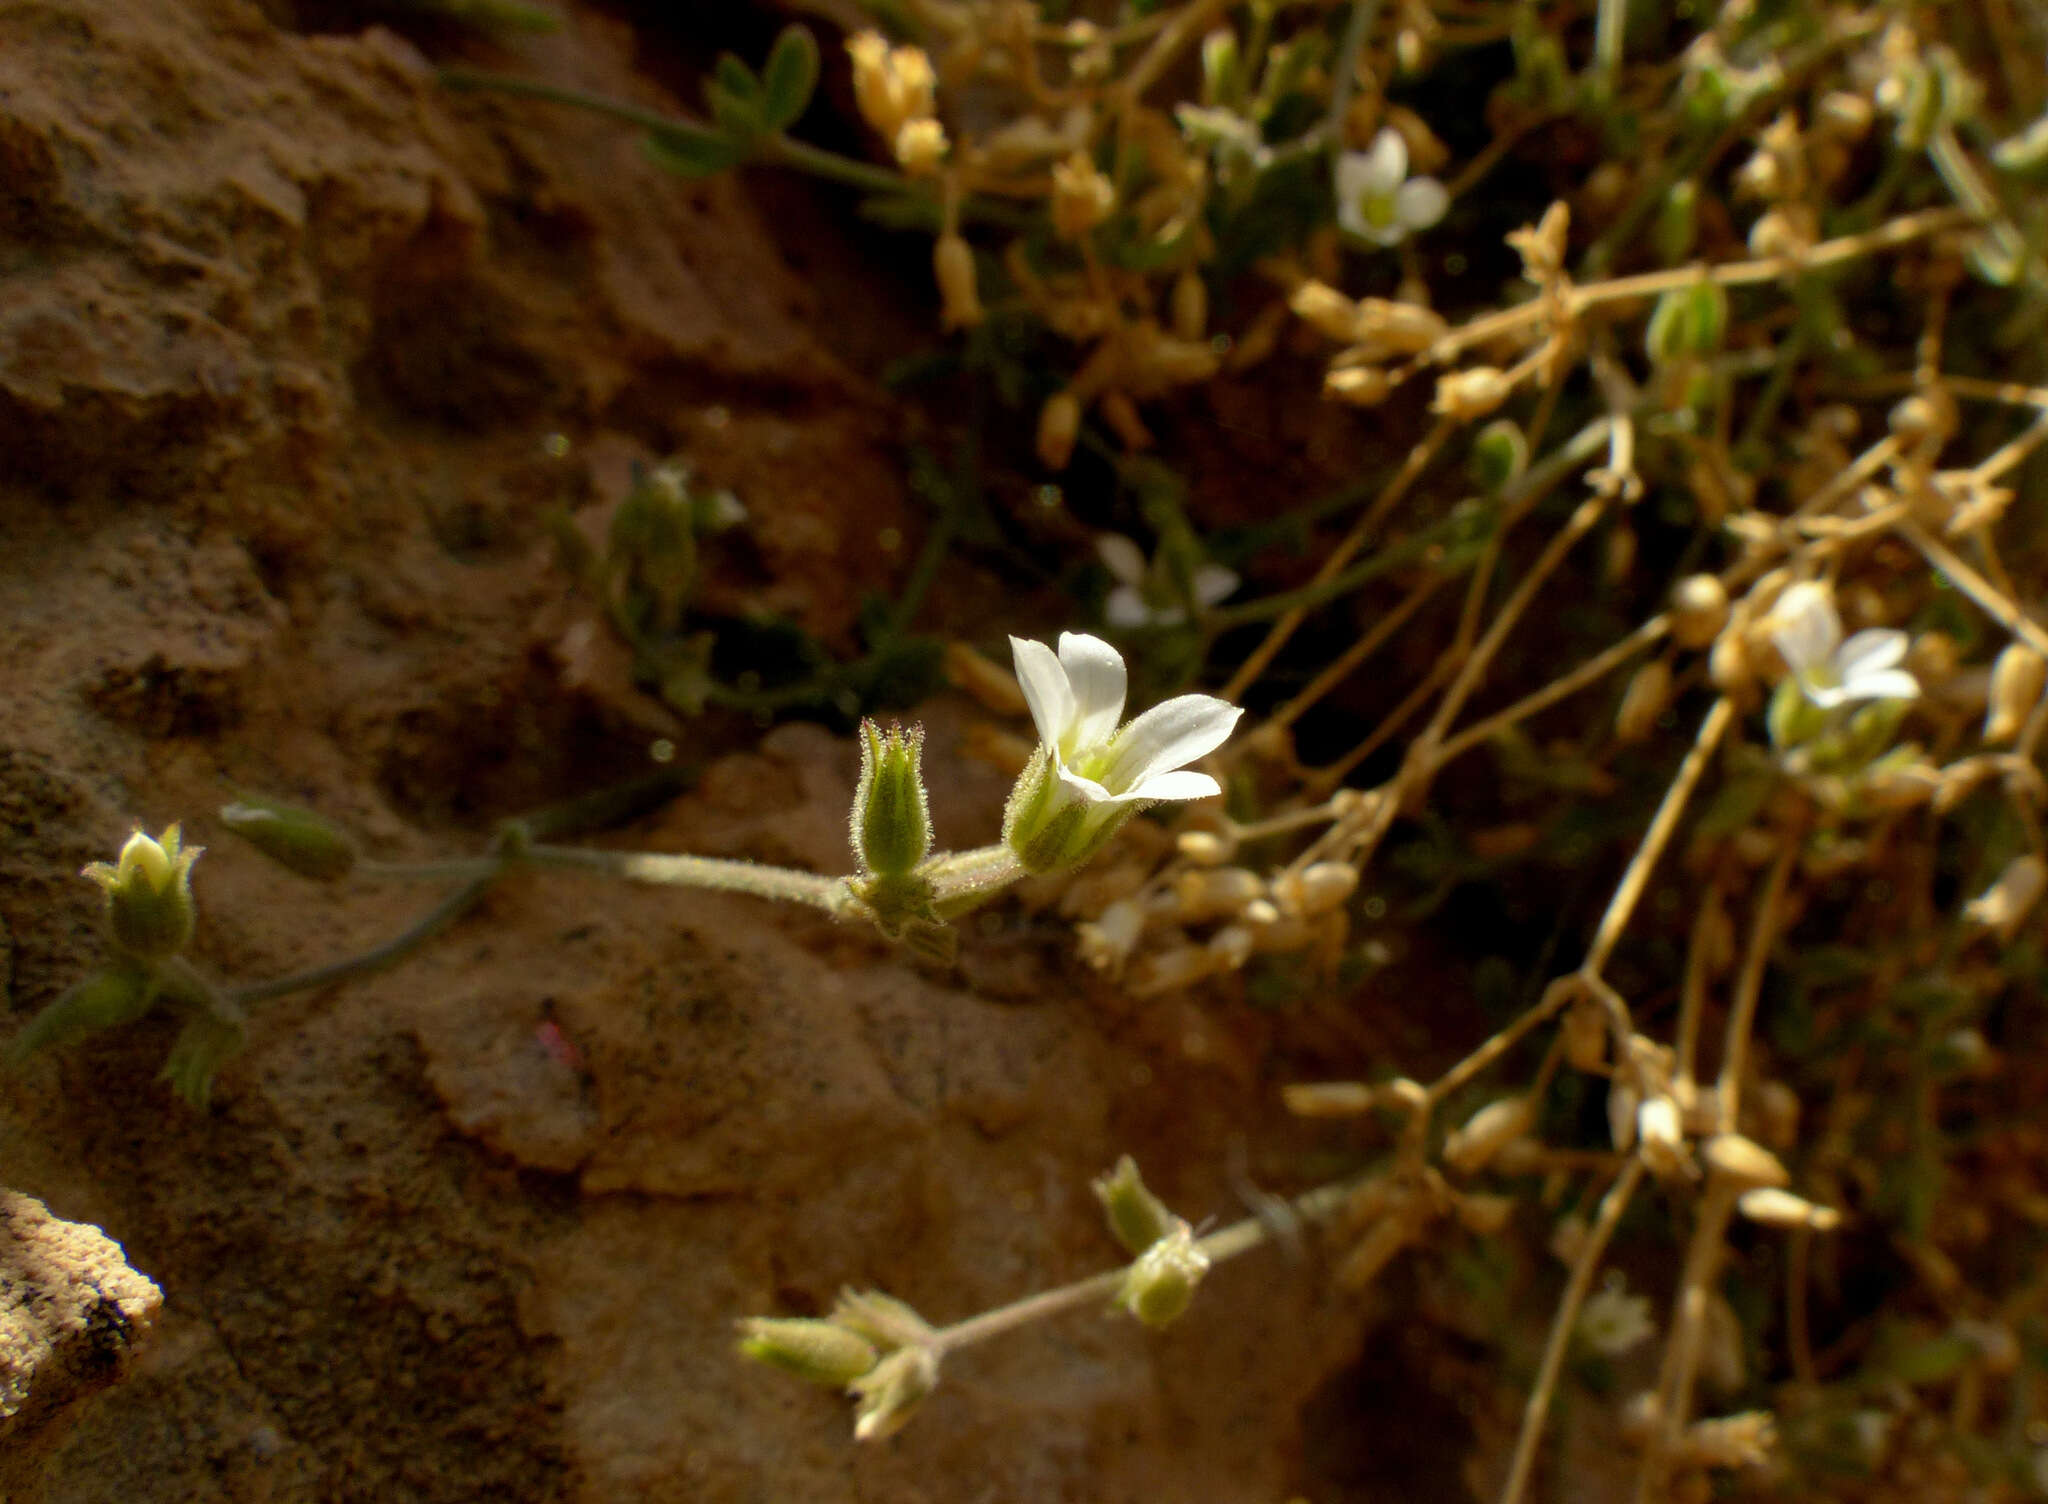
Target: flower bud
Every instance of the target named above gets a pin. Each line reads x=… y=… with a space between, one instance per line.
x=1137 y=1218
x=1321 y=305
x=298 y=839
x=883 y=1319
x=1500 y=453
x=1059 y=424
x=1159 y=1286
x=821 y=1352
x=1470 y=394
x=1743 y=1160
x=150 y=913
x=1220 y=68
x=1359 y=386
x=1677 y=223
x=1328 y=1099
x=891 y=1391
x=1687 y=324
x=1699 y=610
x=959 y=295
x=1488 y=1131
x=892 y=825
x=2008 y=901
x=1647 y=697
x=1082 y=197
x=2016 y=682
x=1780 y=1208
x=1661 y=1135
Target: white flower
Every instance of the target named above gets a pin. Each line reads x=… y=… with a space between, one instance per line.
x=1127 y=605
x=1090 y=773
x=1612 y=1320
x=1377 y=200
x=1829 y=671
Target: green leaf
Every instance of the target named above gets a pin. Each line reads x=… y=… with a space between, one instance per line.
x=689 y=151
x=736 y=78
x=738 y=115
x=788 y=77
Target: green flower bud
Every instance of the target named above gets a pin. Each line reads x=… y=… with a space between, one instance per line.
x=1500 y=453
x=1158 y=1288
x=297 y=839
x=1137 y=1218
x=1688 y=323
x=892 y=824
x=882 y=1319
x=105 y=1000
x=1677 y=224
x=1048 y=828
x=150 y=914
x=1220 y=69
x=891 y=1392
x=817 y=1351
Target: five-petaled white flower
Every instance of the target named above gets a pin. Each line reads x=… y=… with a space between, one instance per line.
x=1129 y=604
x=1377 y=200
x=1090 y=773
x=1829 y=671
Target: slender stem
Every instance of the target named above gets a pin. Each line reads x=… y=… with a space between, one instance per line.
x=1630 y=891
x=1219 y=1247
x=1597 y=667
x=676 y=870
x=1998 y=606
x=1688 y=1321
x=1340 y=668
x=1749 y=986
x=1612 y=1205
x=463 y=867
x=430 y=924
x=972 y=874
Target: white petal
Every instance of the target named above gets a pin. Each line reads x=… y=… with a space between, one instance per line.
x=1169 y=736
x=1089 y=789
x=1096 y=672
x=1124 y=607
x=1352 y=179
x=1869 y=651
x=1805 y=627
x=1184 y=783
x=1121 y=557
x=1885 y=684
x=1214 y=583
x=1421 y=202
x=1045 y=688
x=1388 y=157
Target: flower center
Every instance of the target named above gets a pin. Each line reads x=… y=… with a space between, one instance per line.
x=1377 y=209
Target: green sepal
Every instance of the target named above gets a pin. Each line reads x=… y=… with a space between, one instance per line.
x=202 y=1047
x=105 y=1000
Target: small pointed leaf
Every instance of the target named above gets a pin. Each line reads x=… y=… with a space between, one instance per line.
x=788 y=77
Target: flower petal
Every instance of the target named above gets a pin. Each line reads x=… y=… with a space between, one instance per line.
x=1095 y=670
x=1388 y=159
x=1421 y=202
x=1121 y=557
x=1124 y=607
x=1885 y=684
x=1088 y=789
x=1214 y=583
x=1805 y=627
x=1183 y=783
x=1166 y=737
x=1045 y=688
x=1869 y=651
x=1353 y=178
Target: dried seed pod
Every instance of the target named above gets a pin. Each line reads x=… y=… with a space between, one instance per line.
x=2017 y=678
x=1699 y=610
x=1743 y=1161
x=1205 y=848
x=960 y=295
x=1471 y=394
x=1360 y=386
x=1215 y=893
x=1232 y=945
x=2008 y=901
x=1317 y=888
x=1190 y=306
x=1488 y=1131
x=1322 y=306
x=1059 y=424
x=1661 y=1133
x=1328 y=1099
x=1647 y=697
x=1774 y=1207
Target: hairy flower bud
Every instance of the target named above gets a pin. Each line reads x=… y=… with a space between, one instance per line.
x=821 y=1352
x=892 y=824
x=1137 y=1218
x=2016 y=682
x=298 y=839
x=150 y=913
x=1159 y=1286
